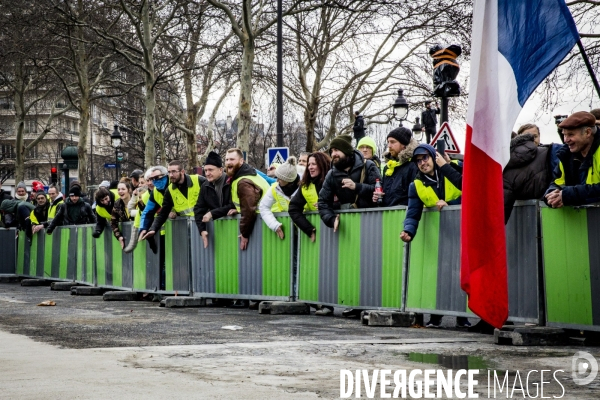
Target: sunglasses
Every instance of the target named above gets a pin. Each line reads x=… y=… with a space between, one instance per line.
x=423 y=160
x=153 y=178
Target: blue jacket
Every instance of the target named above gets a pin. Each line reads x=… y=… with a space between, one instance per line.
x=267 y=178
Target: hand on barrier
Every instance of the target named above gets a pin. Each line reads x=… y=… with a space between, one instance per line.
x=122 y=242
x=172 y=215
x=96 y=234
x=280 y=233
x=37 y=228
x=132 y=241
x=313 y=236
x=555 y=199
x=204 y=235
x=207 y=217
x=142 y=235
x=405 y=237
x=440 y=204
x=231 y=212
x=316 y=205
x=49 y=231
x=336 y=223
x=243 y=243
x=146 y=235
x=348 y=183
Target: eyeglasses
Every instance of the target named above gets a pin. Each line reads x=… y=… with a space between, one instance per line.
x=153 y=178
x=173 y=172
x=423 y=160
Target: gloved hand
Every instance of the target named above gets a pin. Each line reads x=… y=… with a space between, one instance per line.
x=96 y=234
x=133 y=240
x=49 y=231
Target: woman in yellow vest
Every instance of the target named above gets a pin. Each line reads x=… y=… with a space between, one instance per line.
x=277 y=198
x=136 y=206
x=120 y=213
x=308 y=195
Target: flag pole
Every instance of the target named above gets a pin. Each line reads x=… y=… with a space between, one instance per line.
x=589 y=66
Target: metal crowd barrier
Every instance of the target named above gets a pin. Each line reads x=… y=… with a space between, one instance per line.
x=146 y=264
x=114 y=267
x=434 y=265
x=177 y=255
x=360 y=266
x=8 y=251
x=571 y=249
x=261 y=272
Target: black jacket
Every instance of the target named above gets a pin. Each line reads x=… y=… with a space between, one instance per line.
x=296 y=211
x=429 y=117
x=575 y=191
x=167 y=205
x=70 y=213
x=332 y=186
x=359 y=128
x=396 y=186
x=209 y=200
x=102 y=222
x=527 y=174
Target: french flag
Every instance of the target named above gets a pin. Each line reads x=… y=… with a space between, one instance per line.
x=515 y=45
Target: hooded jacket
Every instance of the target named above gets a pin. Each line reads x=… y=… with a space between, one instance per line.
x=396 y=186
x=362 y=196
x=527 y=174
x=69 y=213
x=249 y=195
x=102 y=222
x=218 y=204
x=415 y=204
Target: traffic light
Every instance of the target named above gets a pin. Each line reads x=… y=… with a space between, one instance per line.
x=53 y=175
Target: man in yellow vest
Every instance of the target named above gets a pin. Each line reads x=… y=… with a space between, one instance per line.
x=105 y=200
x=180 y=197
x=39 y=215
x=56 y=199
x=577 y=178
x=247 y=188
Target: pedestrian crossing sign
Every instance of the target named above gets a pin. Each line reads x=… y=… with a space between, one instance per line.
x=277 y=155
x=446 y=135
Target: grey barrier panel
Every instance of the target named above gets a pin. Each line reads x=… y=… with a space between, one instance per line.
x=108 y=264
x=126 y=258
x=41 y=253
x=72 y=256
x=328 y=261
x=525 y=294
x=153 y=264
x=180 y=243
x=203 y=260
x=449 y=296
x=593 y=220
x=27 y=260
x=56 y=236
x=370 y=259
x=8 y=251
x=250 y=262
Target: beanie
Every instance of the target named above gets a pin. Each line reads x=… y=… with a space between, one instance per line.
x=401 y=134
x=287 y=171
x=367 y=141
x=22 y=185
x=214 y=159
x=105 y=184
x=342 y=143
x=75 y=191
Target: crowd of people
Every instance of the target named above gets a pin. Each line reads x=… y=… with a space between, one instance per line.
x=343 y=177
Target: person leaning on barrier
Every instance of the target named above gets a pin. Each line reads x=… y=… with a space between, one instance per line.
x=277 y=198
x=247 y=189
x=307 y=198
x=214 y=201
x=119 y=211
x=56 y=199
x=577 y=178
x=74 y=211
x=159 y=180
x=136 y=206
x=351 y=179
x=180 y=197
x=399 y=172
x=105 y=201
x=39 y=215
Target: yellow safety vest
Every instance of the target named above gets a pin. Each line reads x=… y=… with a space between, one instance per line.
x=281 y=204
x=103 y=212
x=33 y=218
x=311 y=196
x=257 y=180
x=52 y=210
x=181 y=204
x=592 y=178
x=430 y=198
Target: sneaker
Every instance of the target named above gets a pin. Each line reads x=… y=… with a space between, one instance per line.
x=434 y=322
x=462 y=322
x=432 y=325
x=324 y=312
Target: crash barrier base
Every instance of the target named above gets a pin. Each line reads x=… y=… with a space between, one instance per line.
x=360 y=266
x=264 y=271
x=8 y=252
x=434 y=265
x=571 y=248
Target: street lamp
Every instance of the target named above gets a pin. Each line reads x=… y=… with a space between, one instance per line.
x=115 y=141
x=401 y=107
x=417 y=130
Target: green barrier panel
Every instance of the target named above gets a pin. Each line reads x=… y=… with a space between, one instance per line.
x=23 y=246
x=146 y=267
x=262 y=272
x=85 y=255
x=571 y=248
x=114 y=267
x=360 y=266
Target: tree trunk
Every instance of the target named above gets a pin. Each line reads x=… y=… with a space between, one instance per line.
x=148 y=48
x=190 y=122
x=84 y=125
x=245 y=103
x=19 y=124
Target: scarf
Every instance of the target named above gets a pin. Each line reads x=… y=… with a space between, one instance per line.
x=391 y=165
x=22 y=198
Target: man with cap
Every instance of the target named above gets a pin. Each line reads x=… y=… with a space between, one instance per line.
x=247 y=189
x=74 y=211
x=399 y=172
x=351 y=178
x=278 y=197
x=135 y=176
x=577 y=179
x=214 y=201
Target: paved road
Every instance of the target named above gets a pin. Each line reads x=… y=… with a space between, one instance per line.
x=87 y=348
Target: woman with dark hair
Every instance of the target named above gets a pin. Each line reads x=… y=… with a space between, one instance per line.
x=105 y=201
x=308 y=195
x=120 y=213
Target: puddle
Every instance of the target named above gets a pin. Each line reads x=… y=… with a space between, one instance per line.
x=452 y=361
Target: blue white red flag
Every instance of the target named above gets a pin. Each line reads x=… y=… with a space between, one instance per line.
x=515 y=46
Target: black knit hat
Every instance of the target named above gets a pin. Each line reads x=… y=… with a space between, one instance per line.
x=401 y=134
x=214 y=159
x=343 y=143
x=75 y=191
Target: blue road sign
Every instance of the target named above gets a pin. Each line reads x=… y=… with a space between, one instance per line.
x=113 y=165
x=277 y=155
